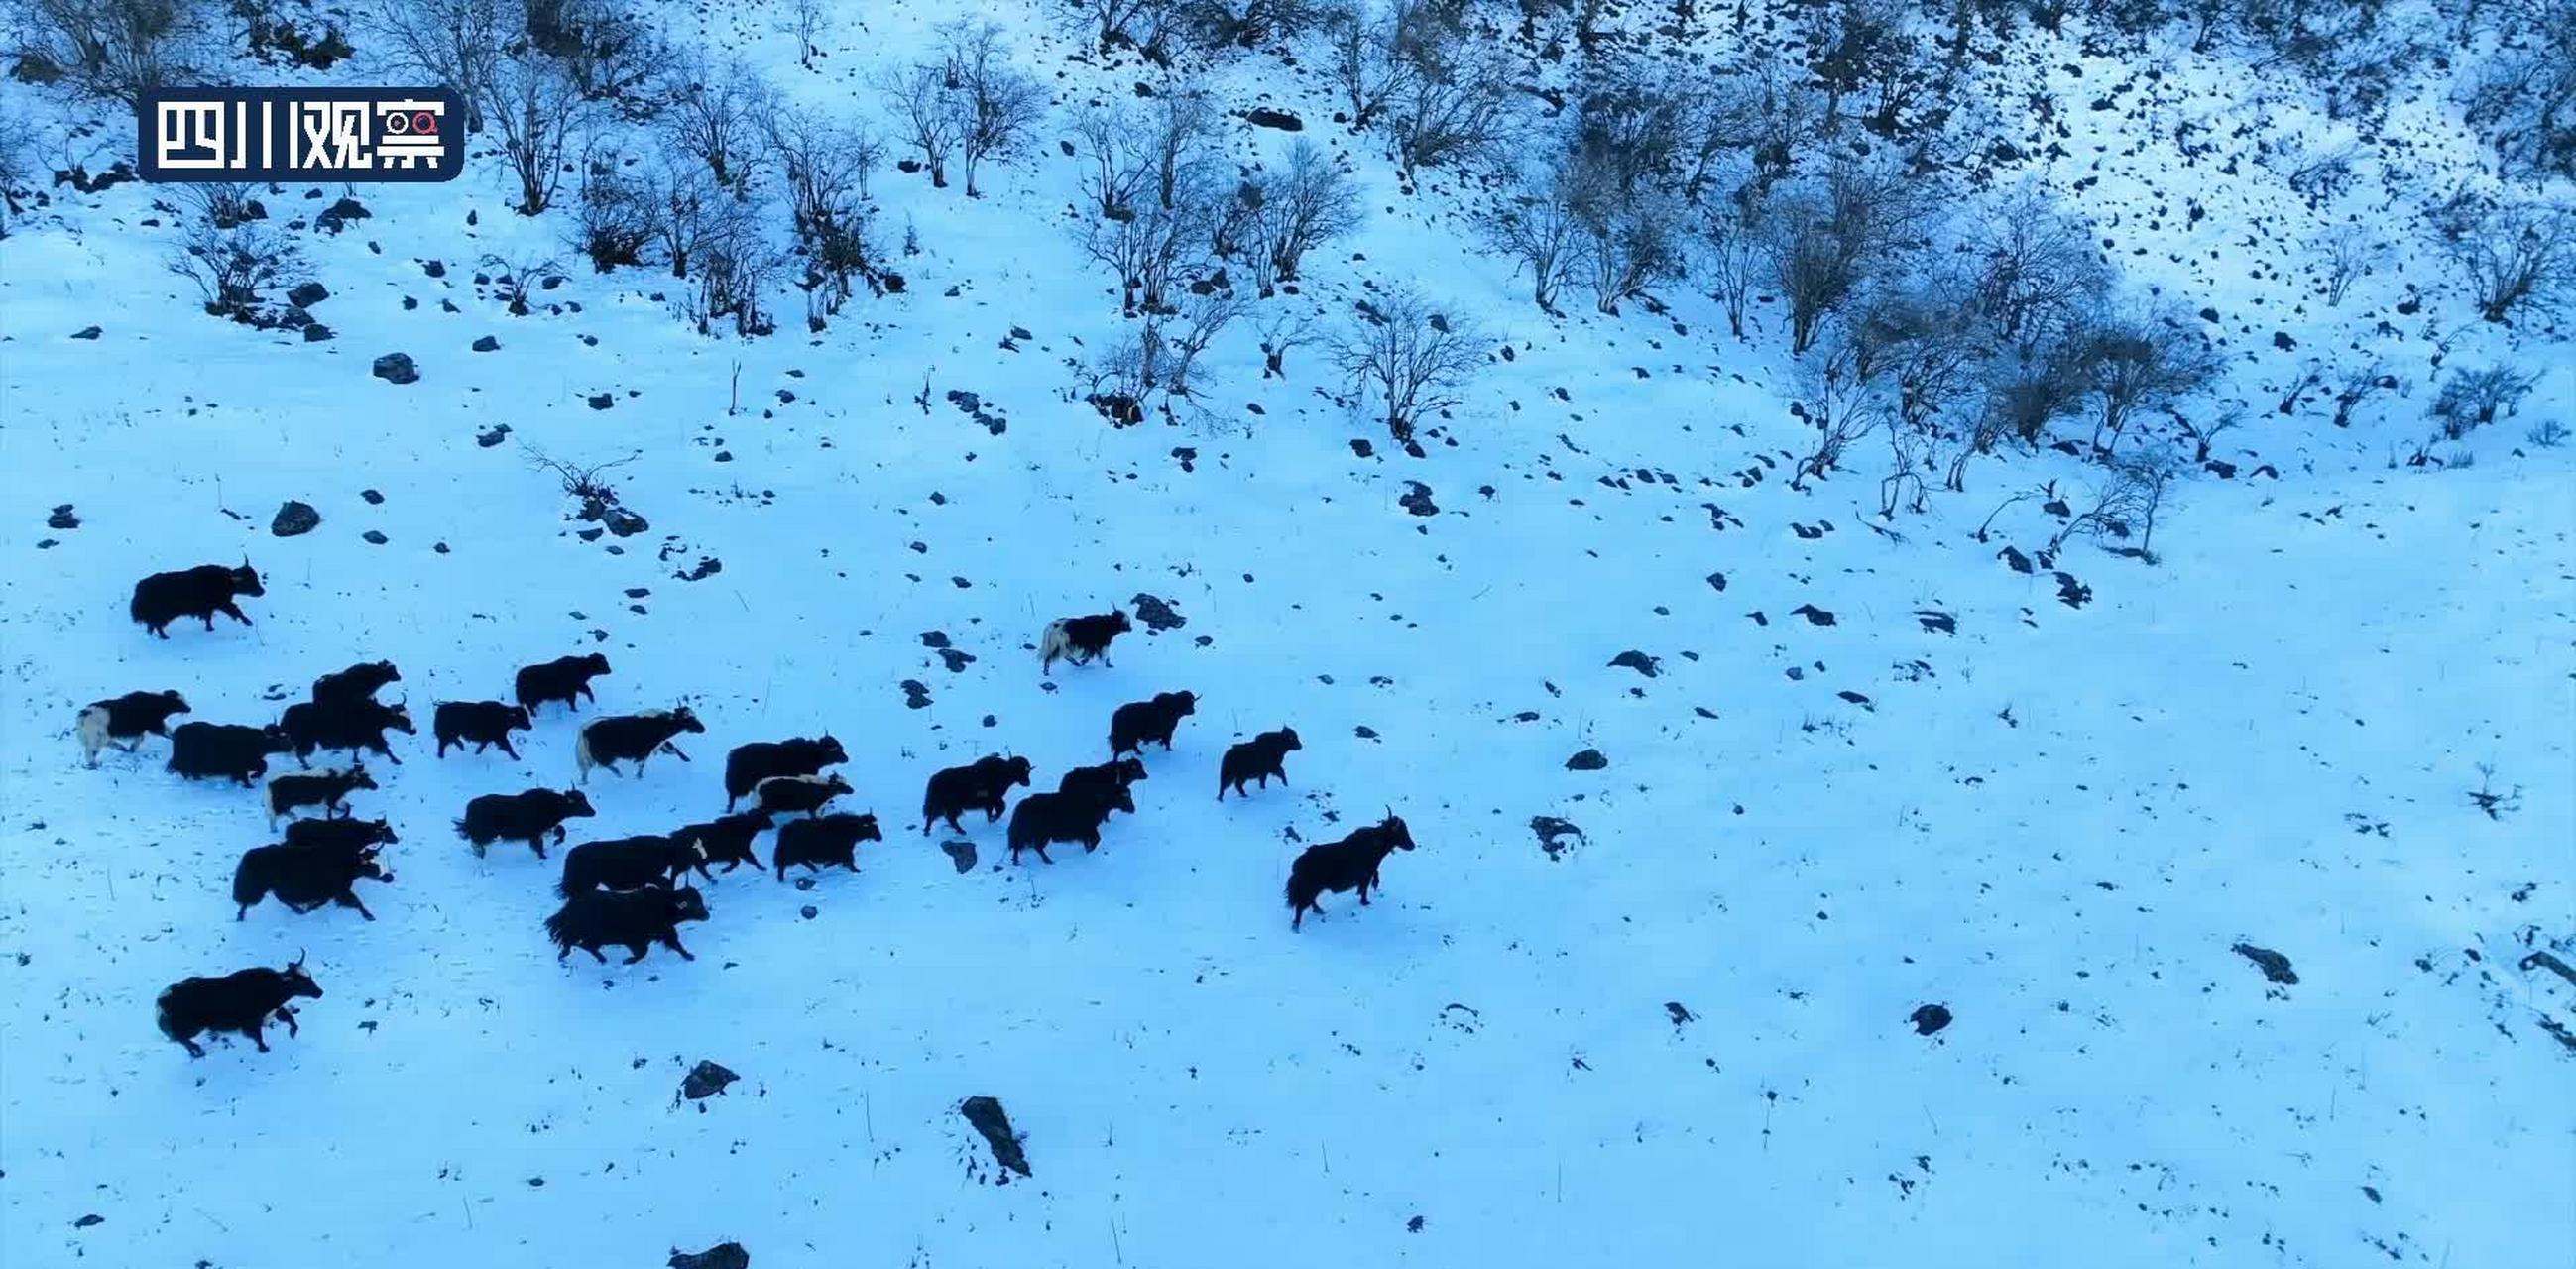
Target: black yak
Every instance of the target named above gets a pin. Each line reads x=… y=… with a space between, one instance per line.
x=1097 y=782
x=605 y=742
x=1079 y=639
x=1045 y=818
x=727 y=838
x=242 y=1001
x=354 y=725
x=565 y=679
x=329 y=790
x=632 y=919
x=357 y=683
x=521 y=817
x=306 y=877
x=750 y=764
x=482 y=724
x=1136 y=723
x=202 y=592
x=340 y=834
x=1349 y=864
x=786 y=795
x=125 y=720
x=984 y=783
x=628 y=863
x=1260 y=758
x=200 y=750
x=831 y=839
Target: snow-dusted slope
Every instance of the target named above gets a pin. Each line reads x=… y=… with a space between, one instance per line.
x=1682 y=1036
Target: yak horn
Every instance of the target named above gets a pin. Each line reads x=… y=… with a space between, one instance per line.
x=299 y=959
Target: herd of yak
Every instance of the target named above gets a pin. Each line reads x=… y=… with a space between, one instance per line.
x=623 y=891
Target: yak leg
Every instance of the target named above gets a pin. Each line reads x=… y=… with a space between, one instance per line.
x=672 y=941
x=287 y=1016
x=193 y=1050
x=349 y=899
x=252 y=1031
x=505 y=747
x=231 y=610
x=163 y=630
x=596 y=954
x=639 y=949
x=852 y=863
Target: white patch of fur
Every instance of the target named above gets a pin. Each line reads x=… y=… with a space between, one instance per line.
x=581 y=755
x=93 y=733
x=1054 y=645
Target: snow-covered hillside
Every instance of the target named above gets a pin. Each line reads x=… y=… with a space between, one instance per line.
x=1668 y=1009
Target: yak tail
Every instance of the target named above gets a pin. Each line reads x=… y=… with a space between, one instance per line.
x=581 y=754
x=93 y=732
x=461 y=831
x=564 y=887
x=557 y=930
x=1055 y=643
x=1294 y=902
x=247 y=886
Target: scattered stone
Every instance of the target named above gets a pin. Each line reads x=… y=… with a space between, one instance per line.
x=1588 y=760
x=934 y=639
x=1815 y=616
x=439 y=547
x=396 y=368
x=2015 y=560
x=1552 y=833
x=961 y=854
x=316 y=332
x=720 y=1256
x=374 y=498
x=308 y=295
x=1361 y=447
x=86 y=332
x=916 y=694
x=62 y=518
x=1717 y=581
x=89 y=1220
x=2276 y=967
x=494 y=437
x=1156 y=614
x=1679 y=1015
x=1417 y=499
x=705 y=1080
x=1265 y=117
x=1638 y=661
x=1364 y=732
x=986 y=1115
x=2547 y=961
x=1930 y=1019
x=955 y=660
x=624 y=523
x=295 y=519
x=373 y=538
x=1189 y=457
x=638 y=592
x=340 y=214
x=487 y=344
x=602 y=400
x=2072 y=593
x=1935 y=619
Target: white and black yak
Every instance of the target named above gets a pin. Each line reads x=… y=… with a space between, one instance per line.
x=605 y=742
x=1079 y=639
x=329 y=790
x=125 y=720
x=752 y=763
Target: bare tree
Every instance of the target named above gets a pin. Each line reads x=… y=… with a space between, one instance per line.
x=1842 y=405
x=1363 y=59
x=1735 y=256
x=1182 y=127
x=808 y=20
x=1630 y=244
x=618 y=218
x=607 y=47
x=930 y=122
x=2514 y=254
x=2348 y=252
x=1307 y=203
x=1143 y=24
x=2472 y=399
x=1540 y=230
x=1825 y=237
x=1450 y=113
x=531 y=102
x=2038 y=270
x=236 y=268
x=458 y=43
x=997 y=106
x=2359 y=386
x=1281 y=333
x=1150 y=250
x=2026 y=389
x=826 y=166
x=1246 y=23
x=1413 y=357
x=118 y=49
x=2524 y=100
x=13 y=166
x=1202 y=318
x=2131 y=491
x=736 y=265
x=2143 y=362
x=1118 y=176
x=714 y=113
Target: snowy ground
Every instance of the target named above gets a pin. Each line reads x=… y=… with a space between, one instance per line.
x=1685 y=1034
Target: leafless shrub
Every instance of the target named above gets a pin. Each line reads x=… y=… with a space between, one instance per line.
x=1306 y=203
x=2025 y=390
x=13 y=166
x=1841 y=404
x=2359 y=386
x=1217 y=24
x=606 y=47
x=1145 y=25
x=118 y=49
x=1117 y=176
x=1151 y=251
x=532 y=104
x=458 y=43
x=2524 y=99
x=236 y=269
x=1822 y=238
x=736 y=266
x=997 y=106
x=713 y=113
x=1279 y=335
x=1630 y=244
x=1540 y=230
x=2518 y=254
x=808 y=20
x=929 y=121
x=1450 y=114
x=587 y=482
x=826 y=165
x=2472 y=399
x=1414 y=358
x=2039 y=270
x=1734 y=259
x=1864 y=48
x=1202 y=318
x=617 y=217
x=2203 y=433
x=2347 y=253
x=514 y=278
x=2124 y=501
x=2143 y=361
x=224 y=204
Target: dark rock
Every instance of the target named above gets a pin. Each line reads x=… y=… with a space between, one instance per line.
x=1930 y=1019
x=2072 y=593
x=89 y=1220
x=396 y=368
x=2276 y=967
x=708 y=566
x=1156 y=614
x=308 y=294
x=317 y=333
x=934 y=639
x=985 y=1114
x=705 y=1080
x=1417 y=499
x=602 y=400
x=809 y=911
x=373 y=538
x=1265 y=117
x=1673 y=1009
x=62 y=518
x=720 y=1256
x=2015 y=560
x=2281 y=340
x=374 y=498
x=1717 y=581
x=624 y=523
x=295 y=519
x=433 y=268
x=966 y=402
x=494 y=437
x=916 y=694
x=1588 y=760
x=955 y=660
x=86 y=332
x=1638 y=661
x=961 y=854
x=1815 y=616
x=340 y=214
x=487 y=344
x=1935 y=619
x=1361 y=447
x=1552 y=833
